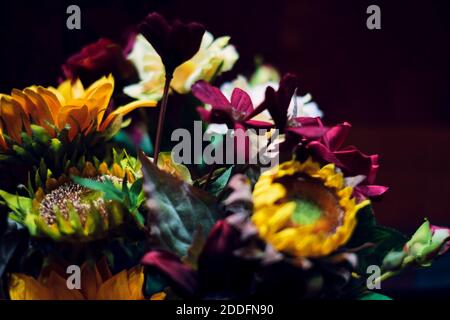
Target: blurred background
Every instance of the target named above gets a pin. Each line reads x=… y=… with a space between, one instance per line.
x=391 y=84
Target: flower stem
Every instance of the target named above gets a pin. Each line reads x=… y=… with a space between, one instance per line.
x=385 y=276
x=162 y=114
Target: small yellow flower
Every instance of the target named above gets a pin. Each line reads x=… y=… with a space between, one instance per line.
x=97 y=283
x=214 y=57
x=55 y=108
x=303 y=209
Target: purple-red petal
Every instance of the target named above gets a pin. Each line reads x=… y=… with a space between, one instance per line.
x=369 y=191
x=355 y=162
x=209 y=94
x=258 y=124
x=336 y=136
x=309 y=132
x=183 y=278
x=320 y=151
x=241 y=102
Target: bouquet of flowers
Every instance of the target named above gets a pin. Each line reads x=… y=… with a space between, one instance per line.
x=205 y=192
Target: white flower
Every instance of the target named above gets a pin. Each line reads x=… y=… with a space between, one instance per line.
x=300 y=106
x=213 y=58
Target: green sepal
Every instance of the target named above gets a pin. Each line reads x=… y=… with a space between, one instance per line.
x=20 y=205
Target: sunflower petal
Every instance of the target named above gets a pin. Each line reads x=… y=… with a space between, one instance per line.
x=125 y=110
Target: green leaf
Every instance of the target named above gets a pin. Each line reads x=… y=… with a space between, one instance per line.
x=383 y=240
x=107 y=187
x=373 y=296
x=221 y=182
x=180 y=208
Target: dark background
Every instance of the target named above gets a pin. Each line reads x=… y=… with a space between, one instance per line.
x=391 y=84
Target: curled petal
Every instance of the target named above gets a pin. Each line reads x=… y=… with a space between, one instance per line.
x=335 y=137
x=369 y=191
x=320 y=151
x=309 y=132
x=356 y=162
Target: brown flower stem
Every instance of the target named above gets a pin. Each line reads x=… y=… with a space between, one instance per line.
x=162 y=114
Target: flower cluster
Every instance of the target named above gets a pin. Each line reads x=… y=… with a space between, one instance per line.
x=84 y=189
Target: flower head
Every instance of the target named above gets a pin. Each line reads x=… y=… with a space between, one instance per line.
x=96 y=60
x=213 y=57
x=285 y=114
x=174 y=43
x=97 y=283
x=304 y=209
x=66 y=210
x=329 y=149
x=427 y=243
x=266 y=76
x=70 y=106
x=235 y=113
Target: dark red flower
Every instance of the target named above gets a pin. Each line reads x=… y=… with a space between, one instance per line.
x=181 y=276
x=329 y=148
x=96 y=60
x=277 y=103
x=175 y=43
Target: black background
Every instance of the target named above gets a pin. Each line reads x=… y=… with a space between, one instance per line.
x=391 y=84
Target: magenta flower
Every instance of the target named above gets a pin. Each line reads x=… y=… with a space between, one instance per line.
x=236 y=113
x=277 y=103
x=175 y=43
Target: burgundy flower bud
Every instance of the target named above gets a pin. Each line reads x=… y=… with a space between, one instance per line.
x=175 y=43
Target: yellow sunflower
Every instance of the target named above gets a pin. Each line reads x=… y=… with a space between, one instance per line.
x=97 y=283
x=70 y=104
x=65 y=210
x=304 y=209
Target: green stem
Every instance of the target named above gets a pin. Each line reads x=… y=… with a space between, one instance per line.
x=385 y=276
x=388 y=274
x=162 y=114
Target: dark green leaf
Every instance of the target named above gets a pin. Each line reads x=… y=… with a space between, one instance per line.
x=107 y=187
x=180 y=208
x=373 y=296
x=220 y=183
